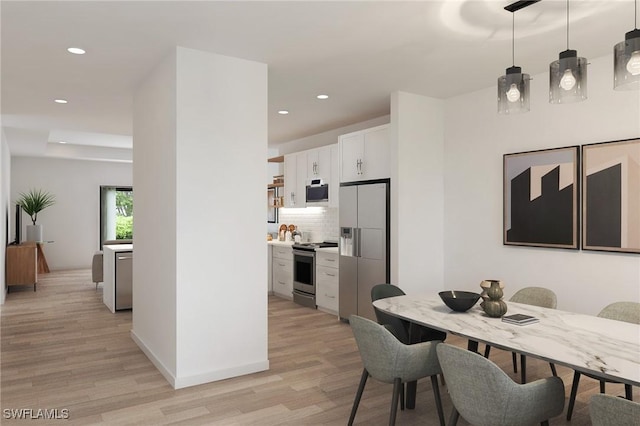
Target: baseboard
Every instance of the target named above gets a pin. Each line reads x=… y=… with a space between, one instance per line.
x=198 y=379
x=212 y=376
x=154 y=360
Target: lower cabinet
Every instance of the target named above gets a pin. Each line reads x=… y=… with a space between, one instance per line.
x=327 y=281
x=282 y=270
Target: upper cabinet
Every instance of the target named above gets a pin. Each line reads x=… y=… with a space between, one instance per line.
x=364 y=155
x=319 y=163
x=301 y=167
x=295 y=179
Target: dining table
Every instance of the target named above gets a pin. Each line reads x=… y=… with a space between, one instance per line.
x=589 y=344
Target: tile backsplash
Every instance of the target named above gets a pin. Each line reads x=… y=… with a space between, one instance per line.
x=316 y=223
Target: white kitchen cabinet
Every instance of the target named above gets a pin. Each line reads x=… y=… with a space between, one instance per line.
x=334 y=183
x=319 y=163
x=327 y=281
x=295 y=179
x=269 y=269
x=282 y=270
x=364 y=155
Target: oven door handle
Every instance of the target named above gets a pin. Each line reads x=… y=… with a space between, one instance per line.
x=304 y=253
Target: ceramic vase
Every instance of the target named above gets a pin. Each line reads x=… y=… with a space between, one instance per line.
x=493 y=305
x=486 y=284
x=34 y=233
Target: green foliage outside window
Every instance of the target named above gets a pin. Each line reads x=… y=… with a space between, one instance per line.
x=124 y=227
x=124 y=215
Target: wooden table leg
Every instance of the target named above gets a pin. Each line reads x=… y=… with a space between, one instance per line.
x=43 y=266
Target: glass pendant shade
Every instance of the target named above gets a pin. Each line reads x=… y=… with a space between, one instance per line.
x=626 y=62
x=568 y=78
x=513 y=91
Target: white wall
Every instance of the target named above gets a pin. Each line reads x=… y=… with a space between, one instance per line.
x=73 y=222
x=5 y=209
x=214 y=138
x=476 y=139
x=417 y=193
x=154 y=176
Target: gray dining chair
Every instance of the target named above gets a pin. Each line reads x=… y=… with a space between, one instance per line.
x=484 y=395
x=388 y=360
x=404 y=331
x=535 y=296
x=619 y=311
x=608 y=410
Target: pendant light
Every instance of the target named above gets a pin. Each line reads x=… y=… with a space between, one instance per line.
x=568 y=75
x=626 y=59
x=513 y=87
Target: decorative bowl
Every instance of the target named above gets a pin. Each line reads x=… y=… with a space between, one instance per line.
x=459 y=301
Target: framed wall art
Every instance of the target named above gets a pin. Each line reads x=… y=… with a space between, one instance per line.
x=611 y=196
x=541 y=191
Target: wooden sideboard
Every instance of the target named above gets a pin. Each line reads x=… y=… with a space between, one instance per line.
x=22 y=265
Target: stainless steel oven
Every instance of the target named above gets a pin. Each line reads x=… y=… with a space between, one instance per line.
x=304 y=276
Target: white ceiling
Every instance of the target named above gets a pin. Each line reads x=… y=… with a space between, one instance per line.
x=356 y=52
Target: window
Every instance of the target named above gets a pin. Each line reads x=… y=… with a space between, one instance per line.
x=116 y=213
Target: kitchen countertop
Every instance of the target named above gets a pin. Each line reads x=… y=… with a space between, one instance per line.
x=290 y=243
x=328 y=249
x=280 y=243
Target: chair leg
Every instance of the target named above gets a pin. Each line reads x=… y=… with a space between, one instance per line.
x=515 y=363
x=523 y=369
x=453 y=419
x=397 y=383
x=627 y=392
x=487 y=349
x=436 y=395
x=553 y=369
x=356 y=402
x=574 y=391
x=602 y=387
x=402 y=397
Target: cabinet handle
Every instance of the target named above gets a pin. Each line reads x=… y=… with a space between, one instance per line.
x=330 y=260
x=331 y=275
x=280 y=282
x=330 y=297
x=293 y=198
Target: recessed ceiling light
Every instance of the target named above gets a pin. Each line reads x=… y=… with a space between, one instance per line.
x=283 y=112
x=76 y=51
x=62 y=141
x=322 y=96
x=60 y=101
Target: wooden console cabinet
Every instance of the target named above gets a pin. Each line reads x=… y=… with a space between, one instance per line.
x=22 y=265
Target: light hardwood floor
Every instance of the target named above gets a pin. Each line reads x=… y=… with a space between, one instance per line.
x=62 y=348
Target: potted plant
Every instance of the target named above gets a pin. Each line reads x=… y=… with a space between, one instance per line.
x=33 y=202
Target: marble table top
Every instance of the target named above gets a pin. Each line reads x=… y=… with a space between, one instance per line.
x=589 y=344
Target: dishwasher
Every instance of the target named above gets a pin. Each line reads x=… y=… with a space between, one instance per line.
x=124 y=280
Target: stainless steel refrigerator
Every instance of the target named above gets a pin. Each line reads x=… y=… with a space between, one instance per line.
x=364 y=245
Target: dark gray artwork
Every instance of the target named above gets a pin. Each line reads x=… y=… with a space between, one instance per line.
x=611 y=196
x=541 y=198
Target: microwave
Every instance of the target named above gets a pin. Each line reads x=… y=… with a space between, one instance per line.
x=317 y=191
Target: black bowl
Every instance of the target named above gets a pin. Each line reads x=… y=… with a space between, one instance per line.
x=459 y=301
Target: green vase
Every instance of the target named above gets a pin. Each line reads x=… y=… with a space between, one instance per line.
x=494 y=308
x=493 y=305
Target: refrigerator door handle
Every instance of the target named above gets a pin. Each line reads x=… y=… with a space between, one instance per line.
x=356 y=242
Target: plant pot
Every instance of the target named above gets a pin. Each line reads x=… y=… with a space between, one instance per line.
x=34 y=233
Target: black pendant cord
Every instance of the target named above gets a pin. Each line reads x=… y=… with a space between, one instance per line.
x=567 y=24
x=513 y=39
